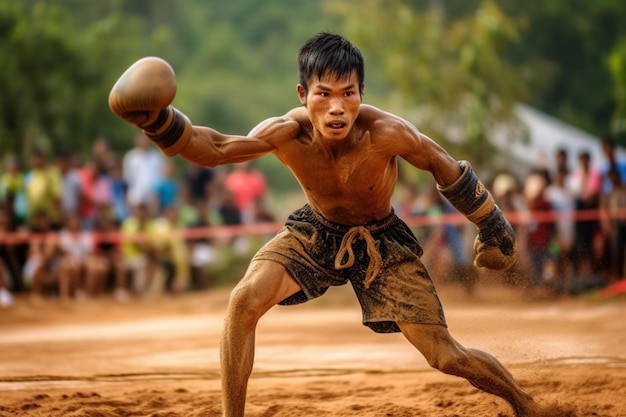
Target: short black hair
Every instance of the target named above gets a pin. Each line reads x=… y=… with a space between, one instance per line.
x=327 y=53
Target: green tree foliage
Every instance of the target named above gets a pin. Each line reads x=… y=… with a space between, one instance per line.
x=572 y=42
x=58 y=72
x=448 y=72
x=617 y=66
x=235 y=62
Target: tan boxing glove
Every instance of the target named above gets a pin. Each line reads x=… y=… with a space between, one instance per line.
x=143 y=95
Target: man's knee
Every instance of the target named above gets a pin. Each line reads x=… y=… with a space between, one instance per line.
x=244 y=307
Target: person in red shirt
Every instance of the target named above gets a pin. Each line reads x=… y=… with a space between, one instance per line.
x=248 y=187
x=540 y=230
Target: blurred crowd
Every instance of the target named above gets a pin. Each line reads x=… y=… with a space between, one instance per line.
x=569 y=214
x=136 y=225
x=75 y=228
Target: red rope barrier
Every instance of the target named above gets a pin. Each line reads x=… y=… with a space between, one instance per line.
x=259 y=229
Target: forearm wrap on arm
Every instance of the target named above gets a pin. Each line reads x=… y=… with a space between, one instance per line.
x=170 y=131
x=469 y=196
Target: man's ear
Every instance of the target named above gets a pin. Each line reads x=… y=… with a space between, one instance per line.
x=301 y=94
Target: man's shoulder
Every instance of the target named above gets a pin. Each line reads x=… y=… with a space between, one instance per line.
x=377 y=119
x=297 y=114
x=289 y=120
x=368 y=111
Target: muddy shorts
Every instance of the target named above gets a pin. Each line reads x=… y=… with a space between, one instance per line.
x=381 y=260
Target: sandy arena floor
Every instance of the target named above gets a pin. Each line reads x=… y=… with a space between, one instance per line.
x=159 y=358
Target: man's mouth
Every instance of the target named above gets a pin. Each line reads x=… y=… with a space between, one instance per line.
x=336 y=125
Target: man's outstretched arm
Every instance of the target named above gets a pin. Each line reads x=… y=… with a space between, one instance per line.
x=143 y=96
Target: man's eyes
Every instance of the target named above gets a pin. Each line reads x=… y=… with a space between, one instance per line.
x=346 y=94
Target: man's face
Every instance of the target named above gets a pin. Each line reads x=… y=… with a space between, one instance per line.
x=333 y=104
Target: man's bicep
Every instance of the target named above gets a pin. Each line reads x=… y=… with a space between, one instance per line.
x=428 y=155
x=261 y=127
x=276 y=131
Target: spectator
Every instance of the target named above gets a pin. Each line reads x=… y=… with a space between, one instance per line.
x=612 y=163
x=43 y=188
x=201 y=251
x=229 y=211
x=102 y=192
x=88 y=207
x=119 y=191
x=585 y=184
x=166 y=191
x=102 y=155
x=508 y=196
x=564 y=206
x=189 y=210
x=540 y=232
x=445 y=245
x=171 y=250
x=406 y=206
x=108 y=252
x=12 y=191
x=142 y=168
x=71 y=184
x=6 y=298
x=40 y=268
x=198 y=180
x=613 y=177
x=80 y=273
x=614 y=222
x=12 y=250
x=137 y=251
x=561 y=163
x=247 y=186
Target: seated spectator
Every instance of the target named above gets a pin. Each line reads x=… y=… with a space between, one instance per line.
x=80 y=273
x=6 y=298
x=10 y=264
x=170 y=248
x=195 y=218
x=137 y=251
x=40 y=268
x=108 y=251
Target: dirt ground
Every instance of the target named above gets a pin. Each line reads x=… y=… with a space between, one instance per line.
x=159 y=358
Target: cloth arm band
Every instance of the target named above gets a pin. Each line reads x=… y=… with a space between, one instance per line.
x=170 y=131
x=469 y=196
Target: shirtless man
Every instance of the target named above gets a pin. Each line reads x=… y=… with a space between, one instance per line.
x=344 y=155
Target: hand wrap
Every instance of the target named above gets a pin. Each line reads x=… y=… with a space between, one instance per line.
x=170 y=131
x=495 y=245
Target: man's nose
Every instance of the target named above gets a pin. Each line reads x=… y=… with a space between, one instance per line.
x=336 y=106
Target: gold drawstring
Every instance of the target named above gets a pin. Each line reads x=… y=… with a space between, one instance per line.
x=376 y=260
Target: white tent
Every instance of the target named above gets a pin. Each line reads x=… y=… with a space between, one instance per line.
x=547 y=135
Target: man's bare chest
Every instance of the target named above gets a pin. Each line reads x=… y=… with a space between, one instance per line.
x=351 y=177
